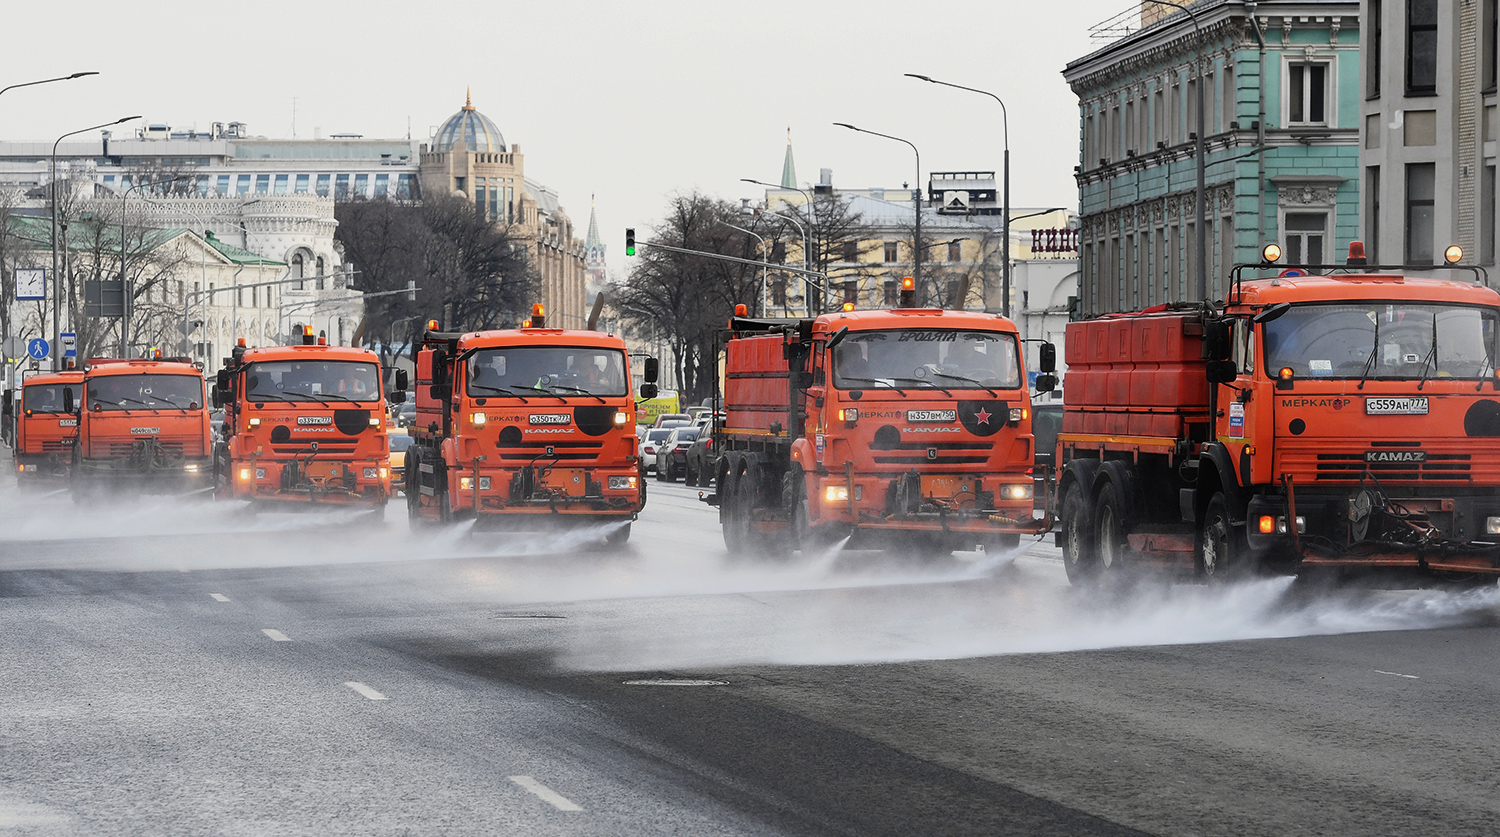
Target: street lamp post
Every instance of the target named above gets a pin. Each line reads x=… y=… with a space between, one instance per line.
x=56 y=279
x=806 y=297
x=1005 y=195
x=48 y=80
x=764 y=256
x=811 y=219
x=916 y=254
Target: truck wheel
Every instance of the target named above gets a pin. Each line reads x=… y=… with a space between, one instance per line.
x=689 y=476
x=1079 y=558
x=1223 y=553
x=737 y=500
x=1110 y=541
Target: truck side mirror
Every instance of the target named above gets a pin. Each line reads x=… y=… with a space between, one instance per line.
x=222 y=379
x=1046 y=382
x=440 y=368
x=648 y=391
x=803 y=380
x=402 y=381
x=1217 y=344
x=67 y=400
x=397 y=397
x=440 y=392
x=1047 y=360
x=652 y=371
x=216 y=396
x=1222 y=371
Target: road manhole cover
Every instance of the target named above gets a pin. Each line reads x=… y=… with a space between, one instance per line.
x=676 y=682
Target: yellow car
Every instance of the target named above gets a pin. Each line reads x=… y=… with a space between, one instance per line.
x=400 y=441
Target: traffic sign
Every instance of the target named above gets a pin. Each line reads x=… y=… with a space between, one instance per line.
x=38 y=348
x=69 y=344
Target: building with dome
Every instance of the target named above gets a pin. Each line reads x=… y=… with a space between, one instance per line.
x=468 y=157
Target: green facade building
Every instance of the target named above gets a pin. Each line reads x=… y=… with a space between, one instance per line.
x=1281 y=93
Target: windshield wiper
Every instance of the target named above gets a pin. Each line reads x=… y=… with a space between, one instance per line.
x=930 y=384
x=878 y=381
x=138 y=401
x=577 y=390
x=968 y=379
x=500 y=390
x=1489 y=367
x=1431 y=355
x=1370 y=361
x=280 y=396
x=322 y=395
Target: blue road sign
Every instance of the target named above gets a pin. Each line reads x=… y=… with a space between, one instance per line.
x=69 y=344
x=37 y=348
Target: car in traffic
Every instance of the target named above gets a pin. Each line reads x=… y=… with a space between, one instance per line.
x=681 y=419
x=671 y=454
x=699 y=469
x=405 y=414
x=400 y=442
x=649 y=443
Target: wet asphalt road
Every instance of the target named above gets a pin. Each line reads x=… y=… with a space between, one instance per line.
x=184 y=668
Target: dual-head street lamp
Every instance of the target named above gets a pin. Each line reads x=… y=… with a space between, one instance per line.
x=56 y=277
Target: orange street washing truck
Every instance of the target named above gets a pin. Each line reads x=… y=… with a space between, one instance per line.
x=1334 y=416
x=142 y=424
x=47 y=425
x=304 y=425
x=526 y=429
x=907 y=428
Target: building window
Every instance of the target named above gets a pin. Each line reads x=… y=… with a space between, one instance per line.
x=1491 y=13
x=341 y=187
x=1305 y=234
x=242 y=185
x=778 y=293
x=851 y=292
x=1421 y=47
x=321 y=270
x=480 y=207
x=1487 y=216
x=322 y=187
x=850 y=251
x=1307 y=94
x=1420 y=191
x=302 y=181
x=222 y=186
x=281 y=184
x=955 y=251
x=890 y=252
x=361 y=185
x=403 y=190
x=262 y=184
x=1372 y=215
x=1372 y=55
x=382 y=185
x=296 y=276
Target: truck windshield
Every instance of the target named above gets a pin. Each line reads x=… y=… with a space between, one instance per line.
x=563 y=370
x=48 y=398
x=144 y=392
x=312 y=380
x=930 y=359
x=1400 y=340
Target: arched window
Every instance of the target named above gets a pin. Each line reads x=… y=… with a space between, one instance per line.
x=320 y=272
x=297 y=271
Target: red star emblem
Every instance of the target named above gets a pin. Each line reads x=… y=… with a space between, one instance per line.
x=982 y=416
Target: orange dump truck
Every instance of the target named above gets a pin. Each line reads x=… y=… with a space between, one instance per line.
x=142 y=424
x=303 y=425
x=908 y=428
x=525 y=428
x=1344 y=420
x=47 y=425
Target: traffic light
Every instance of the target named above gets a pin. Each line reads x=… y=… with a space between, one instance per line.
x=630 y=241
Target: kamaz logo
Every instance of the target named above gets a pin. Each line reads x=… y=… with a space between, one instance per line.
x=315 y=419
x=144 y=431
x=1395 y=456
x=550 y=418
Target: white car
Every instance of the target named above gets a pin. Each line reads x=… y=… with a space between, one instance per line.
x=649 y=445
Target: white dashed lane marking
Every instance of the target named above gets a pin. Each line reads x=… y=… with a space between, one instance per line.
x=275 y=635
x=219 y=597
x=365 y=690
x=1396 y=674
x=546 y=794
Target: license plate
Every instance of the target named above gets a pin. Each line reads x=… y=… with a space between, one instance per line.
x=549 y=418
x=1413 y=406
x=932 y=415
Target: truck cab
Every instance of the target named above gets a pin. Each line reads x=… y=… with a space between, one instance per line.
x=47 y=425
x=304 y=425
x=524 y=428
x=142 y=424
x=908 y=427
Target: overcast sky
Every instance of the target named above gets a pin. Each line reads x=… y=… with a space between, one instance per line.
x=630 y=101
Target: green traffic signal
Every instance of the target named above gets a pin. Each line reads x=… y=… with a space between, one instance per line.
x=630 y=241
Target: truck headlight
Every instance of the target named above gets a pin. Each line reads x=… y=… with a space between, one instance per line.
x=191 y=468
x=244 y=473
x=1017 y=413
x=254 y=421
x=836 y=494
x=477 y=418
x=1492 y=525
x=374 y=422
x=1302 y=525
x=465 y=483
x=370 y=473
x=621 y=417
x=622 y=483
x=1017 y=492
x=260 y=473
x=484 y=483
x=849 y=414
